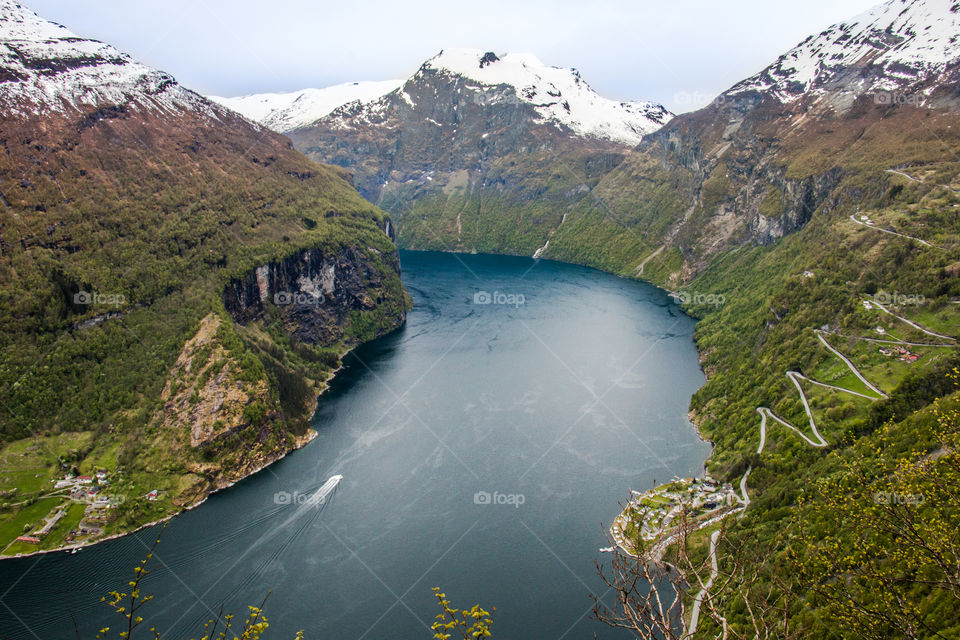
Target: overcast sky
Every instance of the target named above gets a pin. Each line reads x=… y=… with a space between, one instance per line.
x=677 y=52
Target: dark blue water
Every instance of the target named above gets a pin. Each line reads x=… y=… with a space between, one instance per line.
x=569 y=388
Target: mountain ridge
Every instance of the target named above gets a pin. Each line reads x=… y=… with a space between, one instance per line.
x=559 y=94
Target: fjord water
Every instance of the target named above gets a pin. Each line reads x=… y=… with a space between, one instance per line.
x=482 y=447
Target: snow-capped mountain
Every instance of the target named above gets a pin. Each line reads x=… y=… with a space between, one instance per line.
x=45 y=67
x=488 y=139
x=558 y=95
x=901 y=45
x=830 y=122
x=116 y=179
x=285 y=111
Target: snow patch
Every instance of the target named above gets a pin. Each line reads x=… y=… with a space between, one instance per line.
x=45 y=67
x=905 y=41
x=558 y=94
x=284 y=112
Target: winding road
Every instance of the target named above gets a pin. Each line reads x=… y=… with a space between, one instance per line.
x=911 y=323
x=819 y=442
x=893 y=233
x=849 y=364
x=698 y=599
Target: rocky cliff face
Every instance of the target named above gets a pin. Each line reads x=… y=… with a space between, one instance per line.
x=821 y=127
x=314 y=293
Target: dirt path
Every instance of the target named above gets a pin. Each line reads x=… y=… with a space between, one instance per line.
x=649 y=258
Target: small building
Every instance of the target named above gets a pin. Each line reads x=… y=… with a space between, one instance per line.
x=85 y=479
x=880 y=330
x=153 y=495
x=28 y=539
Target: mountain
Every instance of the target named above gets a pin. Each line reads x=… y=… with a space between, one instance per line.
x=46 y=68
x=285 y=111
x=906 y=47
x=809 y=211
x=824 y=124
x=478 y=150
x=177 y=283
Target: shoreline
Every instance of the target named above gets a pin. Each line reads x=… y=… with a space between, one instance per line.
x=299 y=443
x=309 y=437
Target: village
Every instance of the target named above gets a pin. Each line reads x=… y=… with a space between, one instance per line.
x=649 y=515
x=91 y=491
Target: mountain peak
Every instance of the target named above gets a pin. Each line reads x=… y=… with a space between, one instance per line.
x=558 y=94
x=897 y=46
x=287 y=111
x=46 y=67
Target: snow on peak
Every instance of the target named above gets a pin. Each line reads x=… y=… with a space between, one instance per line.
x=46 y=67
x=903 y=41
x=287 y=111
x=559 y=94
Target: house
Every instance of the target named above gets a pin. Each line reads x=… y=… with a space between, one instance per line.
x=101 y=475
x=85 y=479
x=30 y=539
x=152 y=495
x=880 y=330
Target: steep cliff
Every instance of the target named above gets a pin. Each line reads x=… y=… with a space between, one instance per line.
x=316 y=295
x=128 y=204
x=829 y=123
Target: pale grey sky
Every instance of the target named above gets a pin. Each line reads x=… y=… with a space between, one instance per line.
x=670 y=51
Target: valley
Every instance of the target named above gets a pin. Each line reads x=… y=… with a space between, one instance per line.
x=183 y=277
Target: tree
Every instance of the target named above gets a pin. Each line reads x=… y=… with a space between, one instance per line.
x=688 y=596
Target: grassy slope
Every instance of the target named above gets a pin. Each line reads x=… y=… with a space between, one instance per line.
x=162 y=215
